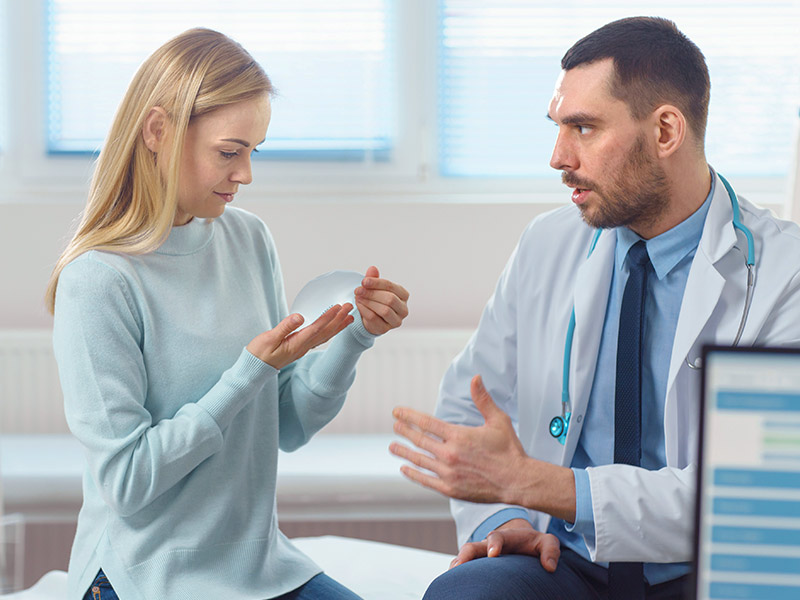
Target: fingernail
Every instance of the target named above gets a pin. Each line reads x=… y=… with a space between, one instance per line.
x=551 y=563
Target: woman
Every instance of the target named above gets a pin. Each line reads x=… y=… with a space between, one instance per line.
x=157 y=300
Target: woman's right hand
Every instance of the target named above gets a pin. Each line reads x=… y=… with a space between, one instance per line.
x=283 y=345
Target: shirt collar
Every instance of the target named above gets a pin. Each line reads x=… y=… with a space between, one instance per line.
x=672 y=246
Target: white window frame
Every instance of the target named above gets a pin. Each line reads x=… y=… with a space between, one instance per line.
x=411 y=175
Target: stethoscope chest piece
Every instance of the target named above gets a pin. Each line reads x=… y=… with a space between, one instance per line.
x=559 y=426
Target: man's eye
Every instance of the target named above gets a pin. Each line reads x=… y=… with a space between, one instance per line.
x=584 y=129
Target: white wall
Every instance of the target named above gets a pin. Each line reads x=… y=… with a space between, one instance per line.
x=448 y=255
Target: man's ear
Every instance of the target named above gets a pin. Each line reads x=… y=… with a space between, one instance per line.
x=154 y=128
x=670 y=129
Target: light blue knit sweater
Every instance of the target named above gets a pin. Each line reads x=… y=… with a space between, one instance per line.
x=180 y=423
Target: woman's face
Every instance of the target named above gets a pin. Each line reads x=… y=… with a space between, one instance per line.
x=216 y=157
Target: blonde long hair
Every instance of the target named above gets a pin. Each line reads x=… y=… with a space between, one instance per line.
x=131 y=206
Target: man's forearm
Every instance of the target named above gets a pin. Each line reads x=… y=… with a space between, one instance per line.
x=545 y=487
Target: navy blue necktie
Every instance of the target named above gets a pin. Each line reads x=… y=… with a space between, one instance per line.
x=626 y=580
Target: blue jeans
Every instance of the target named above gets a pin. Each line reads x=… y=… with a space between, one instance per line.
x=100 y=589
x=520 y=577
x=320 y=587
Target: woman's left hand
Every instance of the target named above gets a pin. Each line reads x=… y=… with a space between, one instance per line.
x=382 y=304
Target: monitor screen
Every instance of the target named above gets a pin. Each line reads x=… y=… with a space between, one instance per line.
x=747 y=542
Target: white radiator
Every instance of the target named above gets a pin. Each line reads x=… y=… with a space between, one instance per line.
x=30 y=395
x=405 y=367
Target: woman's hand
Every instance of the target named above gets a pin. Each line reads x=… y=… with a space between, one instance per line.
x=283 y=345
x=382 y=304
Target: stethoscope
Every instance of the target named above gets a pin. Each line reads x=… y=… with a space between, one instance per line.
x=560 y=424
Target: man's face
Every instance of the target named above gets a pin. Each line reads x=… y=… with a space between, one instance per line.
x=605 y=155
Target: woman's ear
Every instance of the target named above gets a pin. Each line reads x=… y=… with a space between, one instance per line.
x=670 y=129
x=154 y=128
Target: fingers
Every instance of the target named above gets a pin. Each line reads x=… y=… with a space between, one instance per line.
x=381 y=303
x=549 y=550
x=494 y=543
x=513 y=541
x=483 y=401
x=421 y=460
x=423 y=422
x=428 y=481
x=270 y=340
x=387 y=307
x=331 y=322
x=468 y=552
x=287 y=326
x=373 y=282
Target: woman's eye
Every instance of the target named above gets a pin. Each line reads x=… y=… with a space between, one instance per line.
x=229 y=154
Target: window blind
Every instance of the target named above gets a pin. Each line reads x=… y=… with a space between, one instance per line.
x=500 y=60
x=332 y=64
x=4 y=87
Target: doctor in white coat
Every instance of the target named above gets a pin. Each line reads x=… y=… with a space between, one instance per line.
x=543 y=518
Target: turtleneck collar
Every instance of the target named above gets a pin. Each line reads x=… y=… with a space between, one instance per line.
x=189 y=238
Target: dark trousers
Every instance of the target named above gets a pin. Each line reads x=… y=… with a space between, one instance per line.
x=519 y=577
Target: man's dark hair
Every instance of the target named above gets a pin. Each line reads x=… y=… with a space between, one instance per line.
x=654 y=64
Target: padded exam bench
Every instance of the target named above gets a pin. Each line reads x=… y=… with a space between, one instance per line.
x=333 y=477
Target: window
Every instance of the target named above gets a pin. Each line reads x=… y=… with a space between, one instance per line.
x=500 y=60
x=331 y=63
x=422 y=100
x=3 y=82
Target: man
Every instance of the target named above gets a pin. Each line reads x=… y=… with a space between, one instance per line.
x=607 y=510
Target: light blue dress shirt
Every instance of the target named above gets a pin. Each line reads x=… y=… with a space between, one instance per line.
x=671 y=255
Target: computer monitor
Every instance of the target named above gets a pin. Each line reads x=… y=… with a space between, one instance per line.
x=747 y=537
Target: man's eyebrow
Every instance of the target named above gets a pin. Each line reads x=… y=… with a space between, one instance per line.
x=578 y=118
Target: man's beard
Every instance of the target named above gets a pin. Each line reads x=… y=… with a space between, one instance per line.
x=638 y=196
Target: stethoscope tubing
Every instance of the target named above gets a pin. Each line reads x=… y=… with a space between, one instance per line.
x=560 y=425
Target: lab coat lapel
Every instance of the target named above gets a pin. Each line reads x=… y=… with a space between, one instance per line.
x=592 y=285
x=705 y=283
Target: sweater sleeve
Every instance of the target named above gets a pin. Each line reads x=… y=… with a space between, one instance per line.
x=97 y=341
x=313 y=389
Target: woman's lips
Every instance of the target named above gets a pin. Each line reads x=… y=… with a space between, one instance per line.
x=225 y=197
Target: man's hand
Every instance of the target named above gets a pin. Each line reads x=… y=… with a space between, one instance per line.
x=515 y=537
x=481 y=464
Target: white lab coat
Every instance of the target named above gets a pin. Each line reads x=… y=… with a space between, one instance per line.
x=518 y=348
